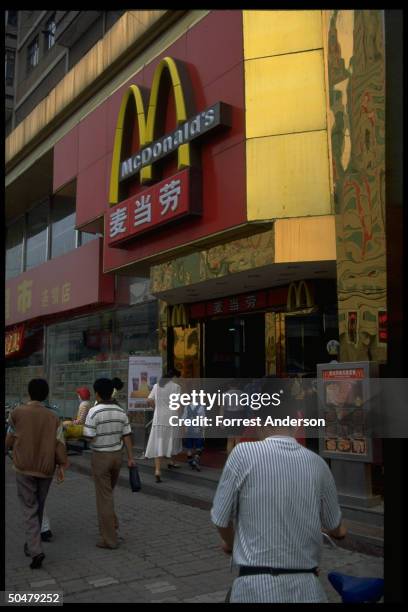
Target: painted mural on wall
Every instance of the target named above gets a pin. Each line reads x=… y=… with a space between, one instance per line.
x=215 y=262
x=357 y=122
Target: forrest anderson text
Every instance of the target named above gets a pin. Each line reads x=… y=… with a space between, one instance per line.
x=204 y=421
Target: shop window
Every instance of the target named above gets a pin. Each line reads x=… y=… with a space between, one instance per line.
x=62 y=226
x=10 y=57
x=49 y=33
x=136 y=330
x=14 y=249
x=37 y=231
x=81 y=350
x=33 y=54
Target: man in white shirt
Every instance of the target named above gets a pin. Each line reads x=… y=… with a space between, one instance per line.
x=273 y=500
x=108 y=427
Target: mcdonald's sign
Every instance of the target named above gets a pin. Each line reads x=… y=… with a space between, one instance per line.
x=299 y=296
x=177 y=316
x=152 y=148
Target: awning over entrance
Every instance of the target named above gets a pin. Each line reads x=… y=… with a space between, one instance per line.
x=294 y=249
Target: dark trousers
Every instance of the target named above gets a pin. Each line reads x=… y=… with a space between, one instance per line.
x=32 y=493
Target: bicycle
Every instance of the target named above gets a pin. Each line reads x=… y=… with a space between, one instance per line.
x=353 y=589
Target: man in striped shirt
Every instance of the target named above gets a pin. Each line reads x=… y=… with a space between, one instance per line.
x=272 y=502
x=108 y=426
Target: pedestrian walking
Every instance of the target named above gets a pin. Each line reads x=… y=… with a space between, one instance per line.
x=272 y=502
x=233 y=410
x=34 y=434
x=46 y=533
x=107 y=425
x=164 y=439
x=194 y=440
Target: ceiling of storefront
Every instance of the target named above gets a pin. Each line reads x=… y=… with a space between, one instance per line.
x=251 y=280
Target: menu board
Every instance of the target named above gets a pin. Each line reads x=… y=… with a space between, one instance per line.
x=345 y=400
x=144 y=372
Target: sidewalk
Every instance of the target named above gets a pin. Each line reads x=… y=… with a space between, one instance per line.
x=170 y=551
x=197 y=489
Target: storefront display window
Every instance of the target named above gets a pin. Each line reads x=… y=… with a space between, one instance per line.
x=81 y=350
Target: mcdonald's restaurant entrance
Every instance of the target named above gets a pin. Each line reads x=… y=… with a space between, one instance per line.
x=282 y=331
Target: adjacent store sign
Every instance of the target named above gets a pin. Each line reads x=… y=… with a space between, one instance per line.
x=14 y=340
x=144 y=372
x=176 y=196
x=68 y=282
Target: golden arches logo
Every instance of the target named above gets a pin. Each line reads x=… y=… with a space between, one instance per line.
x=146 y=124
x=295 y=297
x=178 y=316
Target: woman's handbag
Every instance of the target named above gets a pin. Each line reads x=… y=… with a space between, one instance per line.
x=134 y=479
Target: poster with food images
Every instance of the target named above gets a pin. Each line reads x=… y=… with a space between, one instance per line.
x=345 y=399
x=144 y=372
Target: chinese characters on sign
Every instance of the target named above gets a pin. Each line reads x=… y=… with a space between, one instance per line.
x=24 y=296
x=240 y=303
x=56 y=295
x=236 y=304
x=170 y=199
x=71 y=281
x=14 y=341
x=26 y=302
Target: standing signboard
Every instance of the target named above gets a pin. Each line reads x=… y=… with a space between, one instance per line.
x=144 y=372
x=346 y=395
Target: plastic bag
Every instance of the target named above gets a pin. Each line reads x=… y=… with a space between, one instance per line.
x=134 y=479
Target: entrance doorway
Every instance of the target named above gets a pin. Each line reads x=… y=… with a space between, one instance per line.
x=235 y=347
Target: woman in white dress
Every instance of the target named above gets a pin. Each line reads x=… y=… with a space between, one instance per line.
x=164 y=439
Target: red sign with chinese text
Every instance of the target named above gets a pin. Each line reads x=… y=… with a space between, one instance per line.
x=215 y=73
x=68 y=282
x=353 y=374
x=240 y=304
x=14 y=340
x=160 y=204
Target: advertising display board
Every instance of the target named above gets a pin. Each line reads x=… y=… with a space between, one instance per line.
x=346 y=395
x=144 y=372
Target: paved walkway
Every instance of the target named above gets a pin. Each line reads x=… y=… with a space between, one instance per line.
x=170 y=552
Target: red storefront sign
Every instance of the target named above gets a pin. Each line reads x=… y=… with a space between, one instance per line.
x=158 y=205
x=68 y=282
x=213 y=74
x=351 y=374
x=14 y=340
x=240 y=303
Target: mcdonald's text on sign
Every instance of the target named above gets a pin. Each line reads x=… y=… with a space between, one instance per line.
x=215 y=116
x=164 y=200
